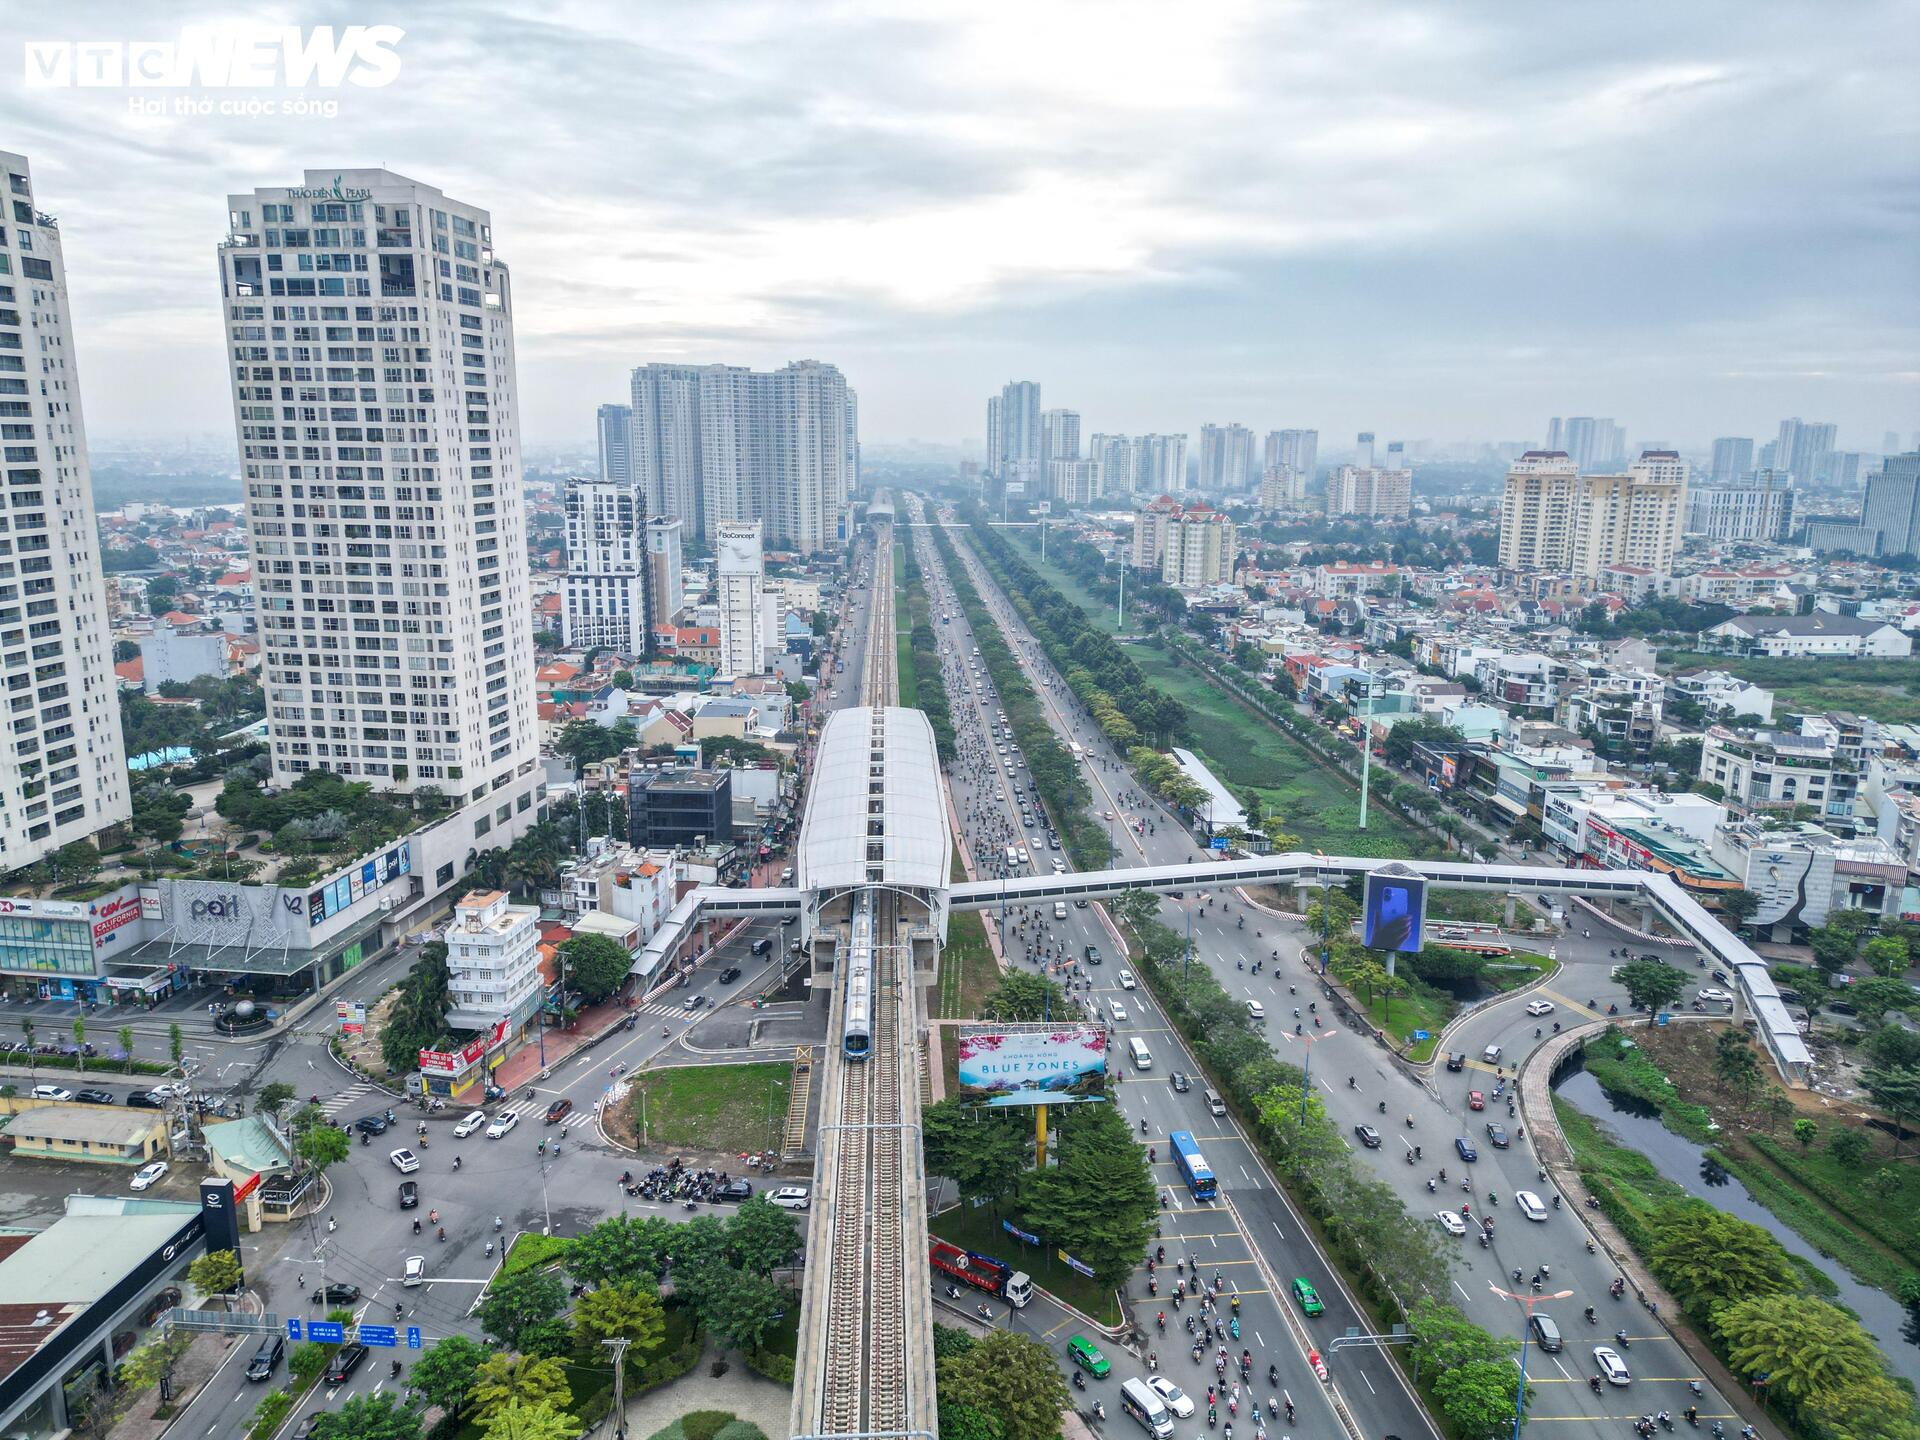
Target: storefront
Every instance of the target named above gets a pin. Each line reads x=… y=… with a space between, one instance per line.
x=46 y=952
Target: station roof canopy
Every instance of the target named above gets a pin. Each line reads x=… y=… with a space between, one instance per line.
x=874 y=814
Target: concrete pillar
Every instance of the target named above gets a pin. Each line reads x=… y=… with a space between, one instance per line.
x=1643 y=912
x=1512 y=901
x=1304 y=896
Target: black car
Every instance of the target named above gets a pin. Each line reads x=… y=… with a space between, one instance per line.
x=159 y=1303
x=1369 y=1136
x=147 y=1100
x=730 y=974
x=1093 y=954
x=371 y=1124
x=734 y=1190
x=1497 y=1134
x=409 y=1194
x=266 y=1359
x=345 y=1361
x=789 y=919
x=336 y=1295
x=1457 y=1060
x=93 y=1097
x=1181 y=1084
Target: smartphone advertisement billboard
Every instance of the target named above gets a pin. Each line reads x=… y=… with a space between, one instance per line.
x=1396 y=911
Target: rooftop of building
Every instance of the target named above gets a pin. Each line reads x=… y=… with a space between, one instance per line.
x=89 y=1124
x=859 y=823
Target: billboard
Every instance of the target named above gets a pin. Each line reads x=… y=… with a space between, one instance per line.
x=1395 y=910
x=1043 y=1065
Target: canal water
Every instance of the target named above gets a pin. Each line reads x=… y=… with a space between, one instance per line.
x=1638 y=1126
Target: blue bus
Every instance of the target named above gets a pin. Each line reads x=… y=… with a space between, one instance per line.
x=1193 y=1169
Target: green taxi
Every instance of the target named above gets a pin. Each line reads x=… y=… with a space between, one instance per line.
x=1084 y=1353
x=1307 y=1296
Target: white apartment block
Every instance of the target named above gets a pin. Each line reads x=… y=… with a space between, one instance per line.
x=1370 y=491
x=1075 y=482
x=63 y=768
x=1536 y=512
x=1059 y=438
x=1760 y=511
x=1282 y=488
x=370 y=334
x=1554 y=518
x=493 y=962
x=666 y=593
x=1140 y=464
x=604 y=592
x=719 y=443
x=1199 y=549
x=741 y=581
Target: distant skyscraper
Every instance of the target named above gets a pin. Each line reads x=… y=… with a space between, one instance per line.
x=1075 y=482
x=852 y=463
x=1282 y=488
x=741 y=580
x=1554 y=519
x=1296 y=449
x=604 y=596
x=1889 y=442
x=715 y=443
x=1732 y=460
x=1140 y=464
x=1363 y=450
x=1799 y=445
x=1893 y=505
x=1536 y=511
x=665 y=597
x=63 y=765
x=615 y=428
x=1059 y=440
x=1590 y=442
x=1115 y=455
x=1226 y=458
x=386 y=523
x=1013 y=432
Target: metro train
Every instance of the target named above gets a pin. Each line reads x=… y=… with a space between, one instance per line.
x=856 y=1031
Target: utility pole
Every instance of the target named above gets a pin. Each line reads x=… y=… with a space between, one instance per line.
x=619 y=1348
x=1366 y=749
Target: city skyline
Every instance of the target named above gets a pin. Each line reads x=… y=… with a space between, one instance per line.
x=1344 y=277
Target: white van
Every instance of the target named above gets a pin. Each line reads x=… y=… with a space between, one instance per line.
x=1143 y=1405
x=1142 y=1057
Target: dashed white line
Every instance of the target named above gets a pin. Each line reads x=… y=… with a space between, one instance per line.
x=1277 y=1230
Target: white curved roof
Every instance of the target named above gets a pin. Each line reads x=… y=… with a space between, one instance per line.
x=912 y=847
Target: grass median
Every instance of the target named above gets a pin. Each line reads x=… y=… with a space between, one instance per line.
x=979 y=1230
x=720 y=1108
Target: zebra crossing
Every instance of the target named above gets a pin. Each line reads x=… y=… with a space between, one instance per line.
x=531 y=1110
x=679 y=1012
x=346 y=1098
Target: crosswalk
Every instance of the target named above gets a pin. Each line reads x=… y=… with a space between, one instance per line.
x=346 y=1098
x=679 y=1012
x=534 y=1110
x=527 y=1110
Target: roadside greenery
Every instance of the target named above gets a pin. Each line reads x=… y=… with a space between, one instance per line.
x=920 y=664
x=1003 y=1386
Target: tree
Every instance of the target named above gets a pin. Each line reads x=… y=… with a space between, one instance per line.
x=615 y=1312
x=1707 y=1257
x=1652 y=984
x=520 y=1421
x=308 y=1360
x=1896 y=1090
x=517 y=1303
x=1806 y=1132
x=1737 y=907
x=75 y=863
x=981 y=1151
x=1134 y=908
x=176 y=1042
x=446 y=1372
x=123 y=1037
x=152 y=1364
x=216 y=1273
x=621 y=1249
x=623 y=680
x=1446 y=1338
x=528 y=1379
x=1875 y=997
x=1477 y=1399
x=761 y=1236
x=1886 y=955
x=1849 y=1148
x=738 y=1306
x=597 y=965
x=80 y=1043
x=1807 y=1348
x=1734 y=1063
x=1023 y=997
x=1010 y=1377
x=1099 y=1201
x=321 y=1146
x=963 y=1422
x=272 y=1097
x=369 y=1417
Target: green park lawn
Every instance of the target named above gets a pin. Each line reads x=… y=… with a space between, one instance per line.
x=711 y=1107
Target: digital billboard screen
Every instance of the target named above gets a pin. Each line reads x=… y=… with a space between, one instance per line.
x=1396 y=912
x=1046 y=1065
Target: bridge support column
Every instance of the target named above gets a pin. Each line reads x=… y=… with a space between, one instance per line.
x=1643 y=912
x=1303 y=895
x=1513 y=902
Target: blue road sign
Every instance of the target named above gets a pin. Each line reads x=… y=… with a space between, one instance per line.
x=1421 y=1035
x=413 y=1337
x=384 y=1336
x=326 y=1332
x=1217 y=842
x=293 y=1329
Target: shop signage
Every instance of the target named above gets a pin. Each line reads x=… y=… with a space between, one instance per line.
x=151 y=906
x=111 y=916
x=45 y=909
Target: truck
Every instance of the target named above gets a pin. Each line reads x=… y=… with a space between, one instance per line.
x=983 y=1272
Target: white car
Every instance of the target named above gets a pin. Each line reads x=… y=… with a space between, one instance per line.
x=1612 y=1368
x=52 y=1092
x=1530 y=1205
x=1117 y=1010
x=1450 y=1222
x=1255 y=1010
x=1127 y=981
x=1179 y=1404
x=1713 y=993
x=502 y=1123
x=472 y=1123
x=404 y=1160
x=149 y=1174
x=173 y=1089
x=1539 y=1007
x=790 y=1197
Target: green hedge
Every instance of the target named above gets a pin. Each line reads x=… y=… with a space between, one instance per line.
x=531 y=1252
x=98 y=1065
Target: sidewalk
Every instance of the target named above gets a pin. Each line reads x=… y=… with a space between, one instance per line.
x=590 y=1026
x=754 y=1398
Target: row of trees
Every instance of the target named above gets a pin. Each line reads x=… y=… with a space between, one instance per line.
x=930 y=685
x=1002 y=1386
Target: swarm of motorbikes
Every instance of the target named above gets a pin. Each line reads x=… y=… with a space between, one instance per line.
x=675 y=1181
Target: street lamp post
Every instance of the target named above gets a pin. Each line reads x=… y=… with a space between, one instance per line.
x=1526 y=1303
x=1306 y=1074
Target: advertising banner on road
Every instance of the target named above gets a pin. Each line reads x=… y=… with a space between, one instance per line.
x=1396 y=910
x=1033 y=1065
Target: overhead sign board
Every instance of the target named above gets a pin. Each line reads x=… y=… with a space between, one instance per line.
x=1054 y=1065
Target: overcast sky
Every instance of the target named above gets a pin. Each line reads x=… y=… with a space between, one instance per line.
x=1425 y=219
